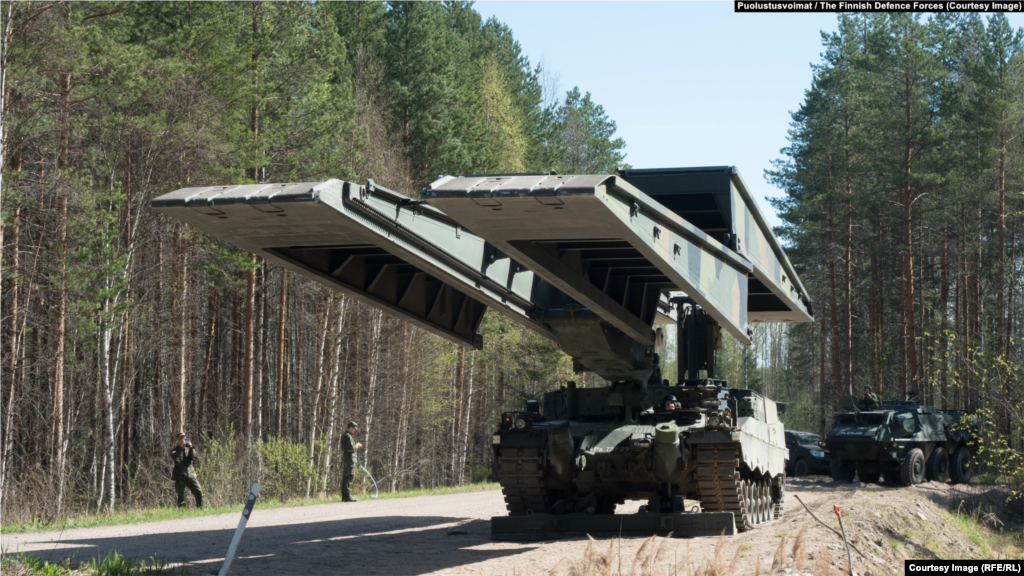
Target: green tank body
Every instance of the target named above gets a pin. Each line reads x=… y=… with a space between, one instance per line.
x=901 y=442
x=589 y=449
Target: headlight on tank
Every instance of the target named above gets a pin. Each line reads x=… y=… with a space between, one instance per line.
x=520 y=423
x=714 y=420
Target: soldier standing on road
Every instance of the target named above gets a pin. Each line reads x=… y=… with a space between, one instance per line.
x=349 y=446
x=184 y=475
x=869 y=401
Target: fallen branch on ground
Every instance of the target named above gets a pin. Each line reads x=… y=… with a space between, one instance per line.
x=834 y=531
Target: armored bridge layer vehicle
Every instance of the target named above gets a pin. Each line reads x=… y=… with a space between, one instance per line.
x=902 y=442
x=598 y=264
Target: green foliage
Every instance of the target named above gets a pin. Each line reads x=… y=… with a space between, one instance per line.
x=219 y=472
x=895 y=176
x=502 y=119
x=111 y=104
x=579 y=137
x=96 y=276
x=285 y=467
x=113 y=564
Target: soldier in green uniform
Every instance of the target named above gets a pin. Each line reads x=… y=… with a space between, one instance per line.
x=869 y=401
x=184 y=475
x=349 y=447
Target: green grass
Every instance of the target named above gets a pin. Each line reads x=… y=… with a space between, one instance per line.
x=169 y=512
x=113 y=565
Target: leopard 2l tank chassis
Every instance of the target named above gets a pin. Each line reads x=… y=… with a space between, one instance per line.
x=589 y=262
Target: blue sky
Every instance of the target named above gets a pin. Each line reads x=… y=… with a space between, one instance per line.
x=688 y=83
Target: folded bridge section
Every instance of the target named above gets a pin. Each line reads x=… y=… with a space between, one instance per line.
x=586 y=261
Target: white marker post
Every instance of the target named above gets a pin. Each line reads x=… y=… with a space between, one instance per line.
x=241 y=528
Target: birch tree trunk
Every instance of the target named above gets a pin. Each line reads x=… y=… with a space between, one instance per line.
x=182 y=336
x=283 y=320
x=323 y=338
x=14 y=338
x=332 y=403
x=247 y=351
x=376 y=325
x=465 y=424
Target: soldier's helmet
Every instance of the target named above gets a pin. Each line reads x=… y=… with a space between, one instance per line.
x=657 y=359
x=867 y=388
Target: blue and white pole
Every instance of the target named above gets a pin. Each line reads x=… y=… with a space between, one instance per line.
x=241 y=528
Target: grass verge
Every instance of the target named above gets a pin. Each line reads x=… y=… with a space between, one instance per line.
x=113 y=565
x=171 y=513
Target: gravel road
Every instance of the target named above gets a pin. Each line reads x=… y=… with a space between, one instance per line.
x=424 y=535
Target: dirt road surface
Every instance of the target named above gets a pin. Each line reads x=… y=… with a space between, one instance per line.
x=448 y=535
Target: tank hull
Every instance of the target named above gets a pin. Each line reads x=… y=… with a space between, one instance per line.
x=730 y=466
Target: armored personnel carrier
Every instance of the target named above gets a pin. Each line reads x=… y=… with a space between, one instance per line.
x=596 y=263
x=902 y=442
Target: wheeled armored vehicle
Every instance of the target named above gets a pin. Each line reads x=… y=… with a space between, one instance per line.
x=901 y=442
x=595 y=263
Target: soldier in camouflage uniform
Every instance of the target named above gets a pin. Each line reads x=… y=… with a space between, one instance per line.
x=184 y=475
x=349 y=447
x=869 y=401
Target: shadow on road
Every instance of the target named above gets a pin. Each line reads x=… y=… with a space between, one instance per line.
x=398 y=545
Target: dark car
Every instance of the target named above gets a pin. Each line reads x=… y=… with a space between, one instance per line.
x=807 y=454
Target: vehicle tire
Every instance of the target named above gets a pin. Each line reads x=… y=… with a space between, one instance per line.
x=801 y=468
x=912 y=468
x=961 y=466
x=869 y=477
x=937 y=469
x=841 y=471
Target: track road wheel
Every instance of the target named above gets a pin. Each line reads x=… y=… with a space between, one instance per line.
x=778 y=495
x=801 y=468
x=842 y=471
x=961 y=466
x=912 y=468
x=750 y=503
x=768 y=510
x=937 y=469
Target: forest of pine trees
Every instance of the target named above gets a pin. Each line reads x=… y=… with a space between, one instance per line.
x=903 y=213
x=121 y=327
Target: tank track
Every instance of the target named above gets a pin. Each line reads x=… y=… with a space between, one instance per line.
x=722 y=488
x=521 y=475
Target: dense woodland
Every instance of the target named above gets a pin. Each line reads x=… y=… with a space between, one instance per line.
x=121 y=326
x=903 y=213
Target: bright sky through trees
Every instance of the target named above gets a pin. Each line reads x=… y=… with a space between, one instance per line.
x=688 y=83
